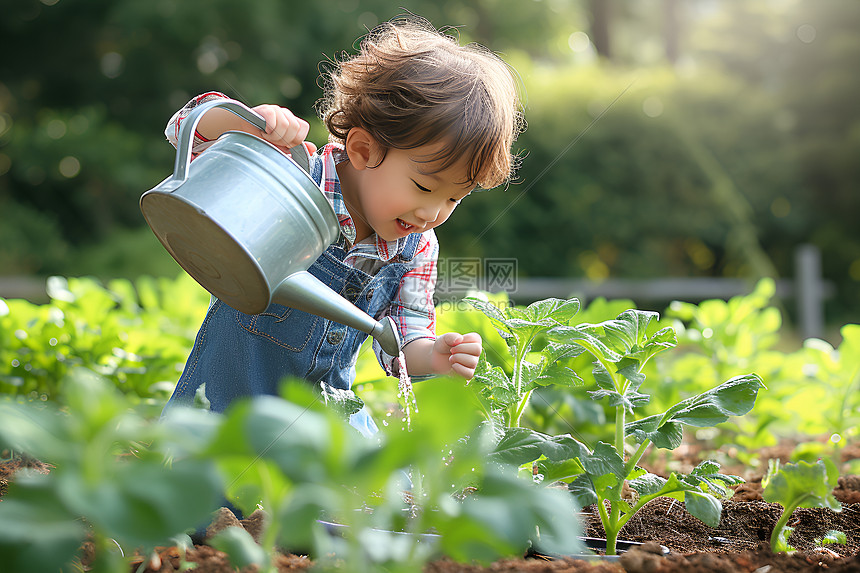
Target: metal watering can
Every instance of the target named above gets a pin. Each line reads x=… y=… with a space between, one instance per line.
x=246 y=222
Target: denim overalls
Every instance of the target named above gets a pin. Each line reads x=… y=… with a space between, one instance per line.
x=238 y=355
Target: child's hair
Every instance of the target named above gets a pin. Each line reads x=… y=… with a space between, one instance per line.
x=411 y=85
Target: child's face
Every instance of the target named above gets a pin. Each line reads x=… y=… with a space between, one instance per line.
x=404 y=195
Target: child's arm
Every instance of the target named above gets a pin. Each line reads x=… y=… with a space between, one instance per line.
x=283 y=129
x=449 y=353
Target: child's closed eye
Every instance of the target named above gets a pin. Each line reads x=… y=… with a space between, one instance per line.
x=421 y=187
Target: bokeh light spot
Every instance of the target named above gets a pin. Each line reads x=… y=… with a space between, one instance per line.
x=780 y=207
x=579 y=42
x=69 y=166
x=652 y=106
x=806 y=33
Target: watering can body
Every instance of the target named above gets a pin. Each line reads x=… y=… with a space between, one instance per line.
x=246 y=222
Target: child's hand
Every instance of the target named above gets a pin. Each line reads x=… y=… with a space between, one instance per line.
x=456 y=353
x=283 y=129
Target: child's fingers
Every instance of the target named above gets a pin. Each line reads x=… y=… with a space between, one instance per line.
x=283 y=128
x=467 y=348
x=463 y=371
x=467 y=360
x=472 y=337
x=470 y=343
x=447 y=341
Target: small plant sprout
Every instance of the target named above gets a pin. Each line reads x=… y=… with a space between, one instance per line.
x=504 y=398
x=620 y=347
x=800 y=485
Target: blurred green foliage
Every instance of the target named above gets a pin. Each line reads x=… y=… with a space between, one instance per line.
x=136 y=334
x=121 y=479
x=712 y=141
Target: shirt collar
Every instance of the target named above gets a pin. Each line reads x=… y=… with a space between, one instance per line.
x=333 y=154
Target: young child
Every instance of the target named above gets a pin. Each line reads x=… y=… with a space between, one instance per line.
x=416 y=122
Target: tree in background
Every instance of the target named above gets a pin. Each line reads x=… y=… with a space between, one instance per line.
x=710 y=138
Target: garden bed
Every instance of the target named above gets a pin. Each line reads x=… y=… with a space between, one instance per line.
x=739 y=544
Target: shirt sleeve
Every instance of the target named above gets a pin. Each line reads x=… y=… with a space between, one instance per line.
x=172 y=130
x=413 y=309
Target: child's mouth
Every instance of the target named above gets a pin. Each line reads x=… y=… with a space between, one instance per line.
x=404 y=225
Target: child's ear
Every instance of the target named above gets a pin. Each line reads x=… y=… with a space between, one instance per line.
x=361 y=148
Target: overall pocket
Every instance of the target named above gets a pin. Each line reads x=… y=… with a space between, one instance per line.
x=287 y=327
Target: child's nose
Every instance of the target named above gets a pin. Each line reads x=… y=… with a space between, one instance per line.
x=428 y=213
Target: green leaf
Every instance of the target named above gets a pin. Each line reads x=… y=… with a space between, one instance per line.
x=804 y=485
x=523 y=445
x=554 y=352
x=648 y=484
x=493 y=385
x=699 y=504
x=551 y=309
x=558 y=375
x=504 y=516
x=603 y=477
x=145 y=503
x=344 y=402
x=707 y=474
x=629 y=369
x=37 y=430
x=732 y=398
x=629 y=400
x=498 y=318
x=586 y=336
x=664 y=339
x=37 y=531
x=583 y=491
x=832 y=537
x=628 y=330
x=564 y=470
x=781 y=542
x=704 y=506
x=603 y=460
x=668 y=436
x=240 y=547
x=297 y=518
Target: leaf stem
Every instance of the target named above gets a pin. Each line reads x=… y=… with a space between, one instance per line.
x=637 y=455
x=521 y=407
x=518 y=374
x=610 y=521
x=613 y=529
x=780 y=525
x=620 y=414
x=270 y=533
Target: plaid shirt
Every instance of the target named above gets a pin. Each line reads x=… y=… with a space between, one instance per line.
x=412 y=308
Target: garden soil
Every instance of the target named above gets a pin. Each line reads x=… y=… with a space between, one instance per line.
x=739 y=544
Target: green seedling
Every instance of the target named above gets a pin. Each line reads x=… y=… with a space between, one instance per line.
x=835 y=388
x=109 y=473
x=620 y=347
x=296 y=457
x=798 y=485
x=135 y=335
x=503 y=398
x=832 y=537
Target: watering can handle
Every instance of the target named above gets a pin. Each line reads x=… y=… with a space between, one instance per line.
x=299 y=153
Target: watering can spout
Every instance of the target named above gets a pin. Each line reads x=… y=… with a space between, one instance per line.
x=305 y=292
